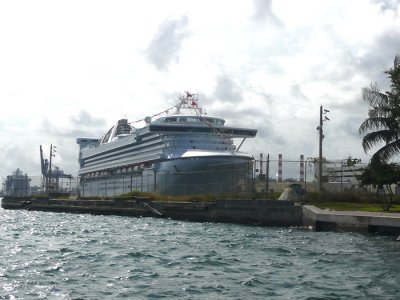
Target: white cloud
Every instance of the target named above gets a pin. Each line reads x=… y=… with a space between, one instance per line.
x=74 y=68
x=167 y=43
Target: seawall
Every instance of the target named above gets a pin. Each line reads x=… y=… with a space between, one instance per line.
x=262 y=212
x=357 y=221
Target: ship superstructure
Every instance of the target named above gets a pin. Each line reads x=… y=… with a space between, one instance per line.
x=187 y=152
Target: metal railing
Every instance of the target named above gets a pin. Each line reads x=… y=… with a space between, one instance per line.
x=257 y=178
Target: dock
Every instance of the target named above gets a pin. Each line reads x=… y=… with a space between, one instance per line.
x=357 y=221
x=260 y=212
x=251 y=211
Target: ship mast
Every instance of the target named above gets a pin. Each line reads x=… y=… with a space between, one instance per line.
x=189 y=101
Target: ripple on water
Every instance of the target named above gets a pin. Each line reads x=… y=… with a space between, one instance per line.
x=72 y=256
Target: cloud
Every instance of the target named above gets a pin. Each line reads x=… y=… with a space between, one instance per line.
x=227 y=90
x=165 y=46
x=264 y=12
x=296 y=92
x=81 y=125
x=380 y=57
x=85 y=119
x=387 y=4
x=257 y=64
x=16 y=156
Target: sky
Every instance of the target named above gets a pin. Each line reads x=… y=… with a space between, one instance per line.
x=71 y=69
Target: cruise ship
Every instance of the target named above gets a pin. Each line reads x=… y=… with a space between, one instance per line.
x=183 y=153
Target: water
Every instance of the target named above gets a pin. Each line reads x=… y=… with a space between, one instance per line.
x=73 y=256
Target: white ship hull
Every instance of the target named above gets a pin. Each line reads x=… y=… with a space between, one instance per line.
x=185 y=176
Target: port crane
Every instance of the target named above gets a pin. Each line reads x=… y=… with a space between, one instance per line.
x=51 y=174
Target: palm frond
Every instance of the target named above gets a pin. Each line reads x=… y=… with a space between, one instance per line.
x=376 y=123
x=387 y=151
x=380 y=111
x=373 y=138
x=373 y=96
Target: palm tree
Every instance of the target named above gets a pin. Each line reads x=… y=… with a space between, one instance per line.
x=383 y=122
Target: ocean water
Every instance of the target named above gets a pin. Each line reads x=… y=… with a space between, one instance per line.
x=74 y=256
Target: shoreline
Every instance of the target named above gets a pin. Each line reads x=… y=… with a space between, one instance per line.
x=261 y=212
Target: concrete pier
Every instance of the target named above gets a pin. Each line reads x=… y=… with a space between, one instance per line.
x=261 y=212
x=329 y=220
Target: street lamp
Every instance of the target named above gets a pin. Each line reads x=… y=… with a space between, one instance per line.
x=322 y=119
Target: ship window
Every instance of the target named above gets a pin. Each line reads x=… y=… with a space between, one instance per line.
x=170 y=119
x=192 y=119
x=210 y=120
x=214 y=121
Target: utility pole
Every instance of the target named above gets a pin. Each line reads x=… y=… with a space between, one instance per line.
x=321 y=137
x=322 y=119
x=267 y=177
x=49 y=174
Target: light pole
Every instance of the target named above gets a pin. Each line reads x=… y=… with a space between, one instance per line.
x=322 y=119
